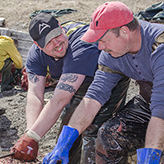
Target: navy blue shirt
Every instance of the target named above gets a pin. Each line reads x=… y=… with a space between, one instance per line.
x=143 y=66
x=81 y=58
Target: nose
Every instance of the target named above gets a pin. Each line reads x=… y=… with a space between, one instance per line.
x=101 y=46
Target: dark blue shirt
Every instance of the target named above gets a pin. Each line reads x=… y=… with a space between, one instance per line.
x=81 y=58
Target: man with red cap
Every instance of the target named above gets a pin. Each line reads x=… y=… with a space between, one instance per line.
x=58 y=50
x=133 y=48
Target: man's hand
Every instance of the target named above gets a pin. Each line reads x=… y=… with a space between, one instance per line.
x=57 y=155
x=148 y=155
x=60 y=152
x=25 y=149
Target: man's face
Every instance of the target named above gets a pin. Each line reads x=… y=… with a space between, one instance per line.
x=115 y=45
x=57 y=47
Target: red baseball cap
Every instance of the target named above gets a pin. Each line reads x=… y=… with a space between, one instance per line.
x=107 y=16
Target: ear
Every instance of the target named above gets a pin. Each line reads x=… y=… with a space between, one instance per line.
x=124 y=32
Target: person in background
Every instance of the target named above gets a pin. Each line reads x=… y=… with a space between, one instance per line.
x=130 y=47
x=58 y=50
x=9 y=55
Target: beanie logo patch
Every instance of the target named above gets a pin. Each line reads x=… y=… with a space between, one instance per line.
x=42 y=27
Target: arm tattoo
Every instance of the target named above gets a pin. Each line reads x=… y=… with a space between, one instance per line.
x=66 y=87
x=33 y=78
x=69 y=77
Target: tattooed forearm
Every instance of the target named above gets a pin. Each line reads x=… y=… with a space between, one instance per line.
x=33 y=78
x=69 y=77
x=66 y=87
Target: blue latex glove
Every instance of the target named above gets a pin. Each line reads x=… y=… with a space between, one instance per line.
x=148 y=156
x=60 y=152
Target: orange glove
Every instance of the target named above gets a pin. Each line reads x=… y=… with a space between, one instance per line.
x=25 y=149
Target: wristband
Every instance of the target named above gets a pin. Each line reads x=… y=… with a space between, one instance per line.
x=33 y=135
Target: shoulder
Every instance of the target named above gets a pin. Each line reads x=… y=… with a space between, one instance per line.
x=5 y=37
x=35 y=55
x=71 y=26
x=35 y=51
x=151 y=29
x=149 y=33
x=6 y=40
x=76 y=33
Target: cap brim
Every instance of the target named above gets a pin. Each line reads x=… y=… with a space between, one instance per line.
x=92 y=36
x=52 y=34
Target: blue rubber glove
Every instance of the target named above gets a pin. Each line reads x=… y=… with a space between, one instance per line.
x=60 y=152
x=148 y=156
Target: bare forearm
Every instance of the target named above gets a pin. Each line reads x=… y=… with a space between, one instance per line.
x=84 y=114
x=155 y=134
x=47 y=117
x=62 y=96
x=33 y=108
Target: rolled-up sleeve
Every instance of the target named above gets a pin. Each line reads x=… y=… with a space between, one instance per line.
x=101 y=87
